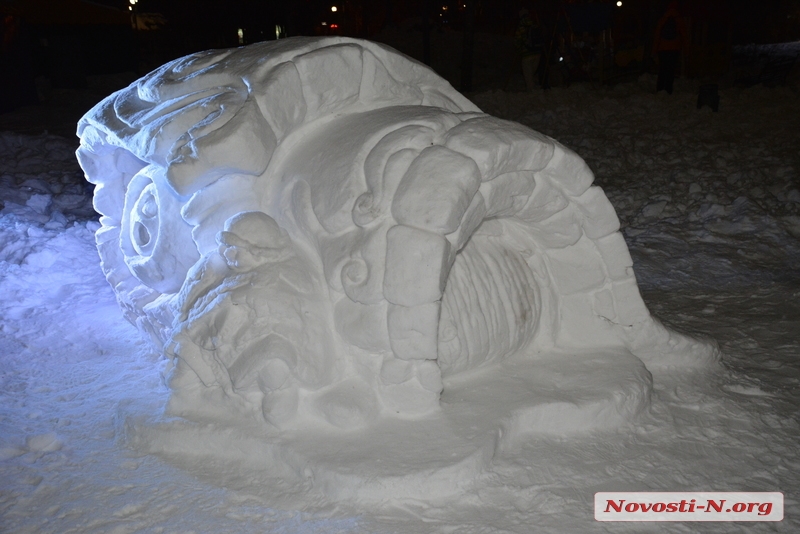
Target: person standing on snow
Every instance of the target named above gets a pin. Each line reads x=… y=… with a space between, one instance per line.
x=668 y=44
x=529 y=40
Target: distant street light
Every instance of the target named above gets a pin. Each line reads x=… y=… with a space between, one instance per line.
x=334 y=9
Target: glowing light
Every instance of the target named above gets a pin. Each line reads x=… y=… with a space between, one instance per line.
x=133 y=2
x=240 y=33
x=334 y=26
x=619 y=3
x=130 y=8
x=561 y=59
x=324 y=23
x=334 y=9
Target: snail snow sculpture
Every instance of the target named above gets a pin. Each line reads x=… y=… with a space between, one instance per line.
x=324 y=228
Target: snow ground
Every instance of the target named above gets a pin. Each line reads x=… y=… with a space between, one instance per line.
x=710 y=207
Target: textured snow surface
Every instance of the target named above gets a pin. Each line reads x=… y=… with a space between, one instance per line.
x=708 y=204
x=318 y=232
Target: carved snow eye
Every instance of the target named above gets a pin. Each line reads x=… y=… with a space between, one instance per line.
x=144 y=219
x=155 y=240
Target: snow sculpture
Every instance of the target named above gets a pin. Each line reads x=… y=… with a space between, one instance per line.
x=325 y=228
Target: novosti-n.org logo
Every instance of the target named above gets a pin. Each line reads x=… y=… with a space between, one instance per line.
x=688 y=506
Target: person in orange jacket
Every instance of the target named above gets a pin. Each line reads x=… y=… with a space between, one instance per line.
x=669 y=42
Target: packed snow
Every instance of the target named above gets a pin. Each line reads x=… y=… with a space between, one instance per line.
x=420 y=295
x=708 y=204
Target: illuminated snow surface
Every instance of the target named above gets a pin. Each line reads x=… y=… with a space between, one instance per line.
x=709 y=208
x=368 y=290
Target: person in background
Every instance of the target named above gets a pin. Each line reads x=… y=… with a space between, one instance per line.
x=529 y=40
x=669 y=42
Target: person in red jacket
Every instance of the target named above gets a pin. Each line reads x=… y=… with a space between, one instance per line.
x=668 y=44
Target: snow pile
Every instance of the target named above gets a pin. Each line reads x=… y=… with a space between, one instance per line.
x=41 y=181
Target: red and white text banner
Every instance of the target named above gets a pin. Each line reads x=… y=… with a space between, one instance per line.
x=688 y=506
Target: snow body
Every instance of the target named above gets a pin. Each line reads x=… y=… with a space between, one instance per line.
x=324 y=228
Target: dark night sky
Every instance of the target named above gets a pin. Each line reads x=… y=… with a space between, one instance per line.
x=754 y=20
x=193 y=25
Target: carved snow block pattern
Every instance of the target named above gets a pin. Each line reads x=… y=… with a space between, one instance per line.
x=508 y=193
x=577 y=268
x=384 y=168
x=285 y=86
x=600 y=219
x=499 y=146
x=560 y=230
x=603 y=305
x=569 y=171
x=472 y=219
x=630 y=306
x=545 y=201
x=417 y=264
x=413 y=331
x=244 y=143
x=331 y=77
x=616 y=256
x=378 y=85
x=436 y=190
x=581 y=327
